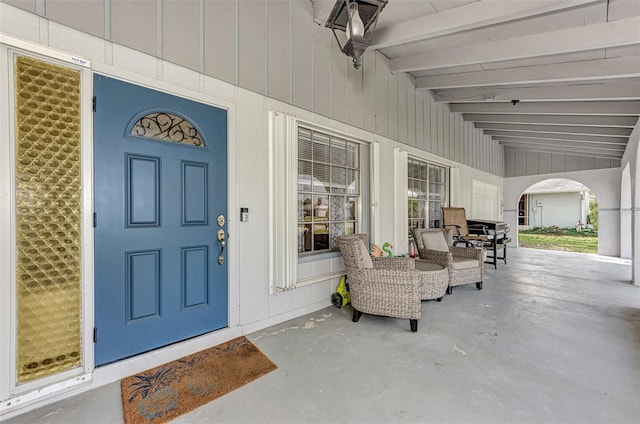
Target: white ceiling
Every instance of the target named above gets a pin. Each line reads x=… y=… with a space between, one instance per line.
x=573 y=66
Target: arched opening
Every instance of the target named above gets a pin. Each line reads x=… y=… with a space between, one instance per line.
x=558 y=214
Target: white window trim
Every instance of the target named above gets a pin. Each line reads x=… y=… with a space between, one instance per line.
x=283 y=171
x=374 y=167
x=283 y=197
x=454 y=173
x=401 y=184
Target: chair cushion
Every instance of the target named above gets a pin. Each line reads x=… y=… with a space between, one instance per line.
x=365 y=258
x=460 y=262
x=422 y=265
x=434 y=240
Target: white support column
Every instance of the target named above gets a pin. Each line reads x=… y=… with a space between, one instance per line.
x=510 y=216
x=635 y=206
x=609 y=231
x=635 y=246
x=626 y=211
x=635 y=228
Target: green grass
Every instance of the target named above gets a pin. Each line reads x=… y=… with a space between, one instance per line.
x=554 y=238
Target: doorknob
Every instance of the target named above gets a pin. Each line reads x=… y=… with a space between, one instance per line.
x=221 y=239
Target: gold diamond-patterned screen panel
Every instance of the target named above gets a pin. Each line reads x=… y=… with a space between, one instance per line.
x=48 y=218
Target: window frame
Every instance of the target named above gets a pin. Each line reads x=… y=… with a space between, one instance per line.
x=304 y=194
x=424 y=200
x=287 y=269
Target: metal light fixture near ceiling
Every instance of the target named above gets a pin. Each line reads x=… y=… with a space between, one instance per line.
x=358 y=19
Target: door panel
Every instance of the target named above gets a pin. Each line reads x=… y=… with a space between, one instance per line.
x=195 y=274
x=157 y=276
x=142 y=285
x=142 y=185
x=195 y=193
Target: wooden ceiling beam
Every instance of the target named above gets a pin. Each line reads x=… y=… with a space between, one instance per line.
x=568 y=137
x=604 y=91
x=576 y=145
x=555 y=129
x=623 y=32
x=589 y=70
x=463 y=18
x=565 y=152
x=589 y=121
x=603 y=108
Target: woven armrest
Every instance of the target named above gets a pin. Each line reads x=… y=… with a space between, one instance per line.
x=437 y=256
x=394 y=263
x=469 y=252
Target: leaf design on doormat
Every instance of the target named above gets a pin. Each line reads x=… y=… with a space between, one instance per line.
x=193 y=361
x=149 y=384
x=232 y=345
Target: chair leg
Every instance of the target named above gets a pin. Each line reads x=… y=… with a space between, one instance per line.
x=439 y=299
x=356 y=315
x=414 y=325
x=449 y=290
x=479 y=285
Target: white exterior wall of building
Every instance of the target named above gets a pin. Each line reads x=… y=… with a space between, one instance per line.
x=251 y=306
x=318 y=87
x=556 y=209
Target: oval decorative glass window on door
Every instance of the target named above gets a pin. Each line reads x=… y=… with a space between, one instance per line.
x=167 y=126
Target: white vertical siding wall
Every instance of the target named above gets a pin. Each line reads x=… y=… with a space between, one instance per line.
x=519 y=163
x=312 y=82
x=273 y=48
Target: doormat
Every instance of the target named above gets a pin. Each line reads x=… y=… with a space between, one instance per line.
x=165 y=392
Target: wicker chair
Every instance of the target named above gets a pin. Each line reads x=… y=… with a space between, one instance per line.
x=465 y=264
x=381 y=286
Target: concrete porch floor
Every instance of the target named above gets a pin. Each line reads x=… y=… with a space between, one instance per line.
x=553 y=337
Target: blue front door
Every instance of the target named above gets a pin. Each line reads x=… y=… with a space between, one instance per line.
x=160 y=165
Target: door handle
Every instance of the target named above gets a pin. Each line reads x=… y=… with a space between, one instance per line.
x=222 y=243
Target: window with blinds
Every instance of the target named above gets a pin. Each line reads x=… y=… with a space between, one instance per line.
x=428 y=192
x=328 y=189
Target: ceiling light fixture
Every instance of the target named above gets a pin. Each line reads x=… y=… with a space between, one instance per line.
x=358 y=19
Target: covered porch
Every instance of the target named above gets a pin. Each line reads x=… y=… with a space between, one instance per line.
x=553 y=337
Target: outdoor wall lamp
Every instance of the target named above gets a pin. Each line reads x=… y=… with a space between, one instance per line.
x=358 y=19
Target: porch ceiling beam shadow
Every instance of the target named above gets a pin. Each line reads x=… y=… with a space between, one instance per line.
x=614 y=68
x=590 y=37
x=463 y=18
x=556 y=129
x=569 y=137
x=604 y=121
x=613 y=149
x=602 y=91
x=620 y=107
x=567 y=152
x=576 y=150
